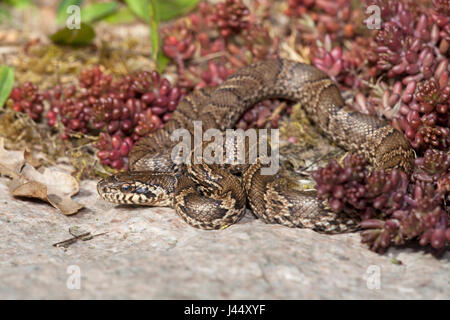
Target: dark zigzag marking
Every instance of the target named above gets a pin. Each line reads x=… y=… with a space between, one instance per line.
x=307 y=81
x=304 y=87
x=292 y=70
x=381 y=125
x=218 y=122
x=205 y=93
x=209 y=115
x=251 y=183
x=313 y=81
x=230 y=89
x=182 y=112
x=237 y=83
x=280 y=69
x=243 y=76
x=390 y=133
x=190 y=101
x=336 y=110
x=319 y=99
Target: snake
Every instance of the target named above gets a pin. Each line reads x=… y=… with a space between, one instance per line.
x=215 y=196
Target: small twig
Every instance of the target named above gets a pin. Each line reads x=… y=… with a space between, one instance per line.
x=71 y=240
x=84 y=237
x=92 y=236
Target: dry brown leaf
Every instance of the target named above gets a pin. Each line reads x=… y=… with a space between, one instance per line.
x=51 y=186
x=11 y=162
x=29 y=157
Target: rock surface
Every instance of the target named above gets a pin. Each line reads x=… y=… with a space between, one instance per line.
x=151 y=253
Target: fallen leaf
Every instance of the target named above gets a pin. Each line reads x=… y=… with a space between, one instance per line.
x=11 y=162
x=29 y=157
x=52 y=186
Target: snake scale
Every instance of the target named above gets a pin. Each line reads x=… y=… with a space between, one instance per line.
x=212 y=196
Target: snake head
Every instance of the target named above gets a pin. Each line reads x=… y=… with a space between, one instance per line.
x=137 y=188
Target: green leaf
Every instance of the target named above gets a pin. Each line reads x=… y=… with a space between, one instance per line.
x=139 y=8
x=6 y=83
x=62 y=14
x=150 y=11
x=162 y=62
x=153 y=12
x=169 y=9
x=154 y=25
x=97 y=11
x=123 y=15
x=74 y=37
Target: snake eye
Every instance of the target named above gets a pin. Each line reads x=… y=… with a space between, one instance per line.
x=125 y=187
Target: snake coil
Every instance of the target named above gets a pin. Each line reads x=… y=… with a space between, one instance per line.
x=210 y=196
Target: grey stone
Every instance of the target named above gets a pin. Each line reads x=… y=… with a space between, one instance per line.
x=151 y=253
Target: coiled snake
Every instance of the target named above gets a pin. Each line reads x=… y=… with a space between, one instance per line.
x=213 y=196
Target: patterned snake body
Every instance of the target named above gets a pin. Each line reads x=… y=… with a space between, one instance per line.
x=211 y=196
